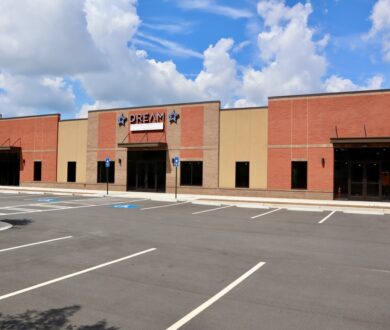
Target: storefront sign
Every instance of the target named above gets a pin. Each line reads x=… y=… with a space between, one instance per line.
x=147 y=122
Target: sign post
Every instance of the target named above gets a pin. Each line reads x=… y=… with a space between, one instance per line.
x=107 y=170
x=176 y=162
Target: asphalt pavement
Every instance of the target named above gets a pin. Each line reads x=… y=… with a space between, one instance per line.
x=117 y=263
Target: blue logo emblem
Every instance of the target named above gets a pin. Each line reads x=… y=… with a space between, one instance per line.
x=122 y=120
x=173 y=117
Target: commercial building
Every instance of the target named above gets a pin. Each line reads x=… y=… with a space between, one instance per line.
x=324 y=146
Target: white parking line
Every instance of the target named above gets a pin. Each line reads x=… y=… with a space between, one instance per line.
x=327 y=217
x=213 y=299
x=13 y=196
x=69 y=208
x=157 y=207
x=19 y=209
x=217 y=208
x=51 y=206
x=262 y=214
x=58 y=279
x=36 y=243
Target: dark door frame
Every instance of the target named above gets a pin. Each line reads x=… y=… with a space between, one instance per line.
x=364 y=182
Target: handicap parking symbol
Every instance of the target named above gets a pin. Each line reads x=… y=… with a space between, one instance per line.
x=48 y=200
x=125 y=206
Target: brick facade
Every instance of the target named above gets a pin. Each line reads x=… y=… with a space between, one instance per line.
x=195 y=136
x=37 y=138
x=300 y=128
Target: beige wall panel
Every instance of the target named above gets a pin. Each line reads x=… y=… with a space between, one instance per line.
x=72 y=147
x=243 y=137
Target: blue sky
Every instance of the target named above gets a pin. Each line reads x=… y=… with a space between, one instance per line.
x=75 y=55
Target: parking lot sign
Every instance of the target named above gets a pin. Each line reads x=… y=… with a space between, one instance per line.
x=176 y=161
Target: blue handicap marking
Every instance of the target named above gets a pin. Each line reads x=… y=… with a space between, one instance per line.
x=125 y=206
x=48 y=200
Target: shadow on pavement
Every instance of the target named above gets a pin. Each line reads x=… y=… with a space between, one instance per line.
x=17 y=222
x=53 y=319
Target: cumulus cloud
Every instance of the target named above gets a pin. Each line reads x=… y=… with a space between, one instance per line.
x=218 y=79
x=24 y=95
x=45 y=46
x=380 y=19
x=46 y=37
x=291 y=57
x=338 y=84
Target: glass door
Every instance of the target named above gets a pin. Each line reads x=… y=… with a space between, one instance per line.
x=146 y=175
x=141 y=176
x=373 y=188
x=357 y=178
x=151 y=175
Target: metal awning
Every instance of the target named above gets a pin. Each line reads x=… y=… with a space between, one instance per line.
x=143 y=145
x=361 y=141
x=9 y=148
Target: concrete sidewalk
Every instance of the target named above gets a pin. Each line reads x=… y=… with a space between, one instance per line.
x=361 y=207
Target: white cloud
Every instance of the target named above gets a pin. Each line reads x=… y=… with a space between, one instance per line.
x=30 y=95
x=172 y=27
x=212 y=6
x=94 y=50
x=291 y=59
x=46 y=37
x=165 y=46
x=380 y=19
x=339 y=84
x=218 y=79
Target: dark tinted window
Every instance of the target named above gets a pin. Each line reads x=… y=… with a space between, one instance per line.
x=242 y=174
x=102 y=172
x=191 y=173
x=299 y=175
x=71 y=171
x=37 y=171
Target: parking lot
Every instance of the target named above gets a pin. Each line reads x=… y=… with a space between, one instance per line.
x=72 y=262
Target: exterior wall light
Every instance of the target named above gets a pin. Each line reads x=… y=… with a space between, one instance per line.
x=323 y=162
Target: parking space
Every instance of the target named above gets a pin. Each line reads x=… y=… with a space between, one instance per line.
x=117 y=263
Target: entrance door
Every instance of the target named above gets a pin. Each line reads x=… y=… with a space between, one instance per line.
x=373 y=187
x=362 y=173
x=357 y=180
x=9 y=168
x=146 y=175
x=146 y=170
x=365 y=180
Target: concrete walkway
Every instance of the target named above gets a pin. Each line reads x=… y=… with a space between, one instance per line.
x=255 y=202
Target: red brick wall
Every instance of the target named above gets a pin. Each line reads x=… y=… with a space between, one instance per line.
x=38 y=139
x=106 y=135
x=301 y=129
x=192 y=132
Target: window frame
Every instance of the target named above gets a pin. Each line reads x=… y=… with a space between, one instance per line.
x=36 y=172
x=295 y=185
x=75 y=172
x=101 y=172
x=192 y=177
x=246 y=185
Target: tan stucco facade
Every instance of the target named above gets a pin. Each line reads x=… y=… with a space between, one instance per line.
x=243 y=137
x=72 y=147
